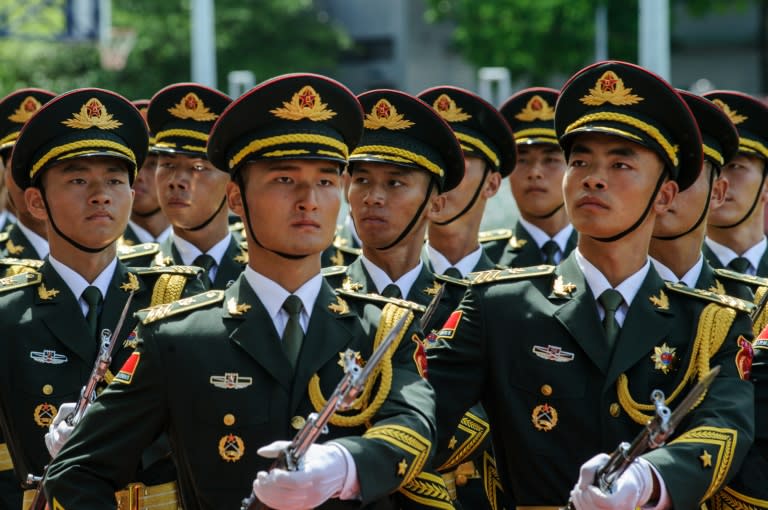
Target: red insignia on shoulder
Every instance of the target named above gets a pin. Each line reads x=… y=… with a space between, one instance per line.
x=125 y=375
x=744 y=358
x=449 y=328
x=420 y=356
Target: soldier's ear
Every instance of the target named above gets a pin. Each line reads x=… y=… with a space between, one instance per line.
x=35 y=203
x=492 y=184
x=667 y=193
x=235 y=198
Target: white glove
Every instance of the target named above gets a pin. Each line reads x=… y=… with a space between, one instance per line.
x=633 y=488
x=320 y=477
x=59 y=430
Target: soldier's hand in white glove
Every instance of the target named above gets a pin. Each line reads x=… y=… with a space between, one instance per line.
x=321 y=476
x=59 y=430
x=633 y=488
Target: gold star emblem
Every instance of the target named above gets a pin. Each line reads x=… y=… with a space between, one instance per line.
x=717 y=288
x=661 y=301
x=663 y=357
x=132 y=283
x=340 y=306
x=402 y=467
x=562 y=289
x=516 y=243
x=706 y=459
x=337 y=259
x=242 y=258
x=434 y=289
x=12 y=248
x=237 y=309
x=46 y=294
x=452 y=443
x=350 y=286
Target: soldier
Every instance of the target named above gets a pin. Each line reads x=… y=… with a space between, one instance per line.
x=735 y=237
x=559 y=387
x=407 y=158
x=26 y=238
x=246 y=370
x=191 y=189
x=542 y=233
x=148 y=224
x=75 y=160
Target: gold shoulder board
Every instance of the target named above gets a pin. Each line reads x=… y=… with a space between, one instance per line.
x=333 y=270
x=450 y=279
x=156 y=313
x=137 y=250
x=494 y=235
x=756 y=281
x=377 y=298
x=20 y=280
x=183 y=270
x=721 y=299
x=509 y=274
x=33 y=263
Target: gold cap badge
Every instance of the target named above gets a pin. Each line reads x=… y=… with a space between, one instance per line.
x=448 y=109
x=92 y=114
x=384 y=115
x=537 y=108
x=305 y=104
x=26 y=109
x=192 y=107
x=735 y=116
x=609 y=88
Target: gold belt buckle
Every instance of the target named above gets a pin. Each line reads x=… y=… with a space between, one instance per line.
x=130 y=497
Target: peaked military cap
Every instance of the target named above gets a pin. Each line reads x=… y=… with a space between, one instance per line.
x=478 y=125
x=625 y=100
x=181 y=117
x=294 y=116
x=143 y=105
x=80 y=123
x=16 y=109
x=531 y=114
x=720 y=140
x=749 y=115
x=403 y=130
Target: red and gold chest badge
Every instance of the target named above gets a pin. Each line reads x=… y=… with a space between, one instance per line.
x=92 y=114
x=304 y=104
x=192 y=107
x=420 y=356
x=744 y=358
x=537 y=108
x=449 y=110
x=125 y=375
x=544 y=417
x=231 y=448
x=384 y=115
x=735 y=116
x=449 y=328
x=609 y=88
x=28 y=107
x=44 y=414
x=663 y=358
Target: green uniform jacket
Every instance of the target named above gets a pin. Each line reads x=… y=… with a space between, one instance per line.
x=521 y=250
x=762 y=267
x=46 y=356
x=232 y=264
x=17 y=245
x=217 y=380
x=534 y=353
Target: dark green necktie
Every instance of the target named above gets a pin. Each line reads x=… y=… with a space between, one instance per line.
x=392 y=291
x=611 y=300
x=293 y=335
x=453 y=273
x=739 y=264
x=550 y=249
x=92 y=296
x=206 y=262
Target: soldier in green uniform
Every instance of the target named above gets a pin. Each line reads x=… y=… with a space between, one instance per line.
x=190 y=188
x=407 y=158
x=559 y=386
x=76 y=160
x=148 y=223
x=735 y=237
x=543 y=233
x=26 y=238
x=231 y=371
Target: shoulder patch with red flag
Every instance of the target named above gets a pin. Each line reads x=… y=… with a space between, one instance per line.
x=449 y=328
x=744 y=358
x=420 y=356
x=125 y=375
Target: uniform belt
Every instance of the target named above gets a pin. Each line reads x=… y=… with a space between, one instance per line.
x=459 y=477
x=5 y=458
x=136 y=496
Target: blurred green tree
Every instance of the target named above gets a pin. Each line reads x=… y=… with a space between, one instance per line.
x=268 y=37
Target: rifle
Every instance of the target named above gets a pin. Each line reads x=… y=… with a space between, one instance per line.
x=654 y=435
x=87 y=396
x=349 y=388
